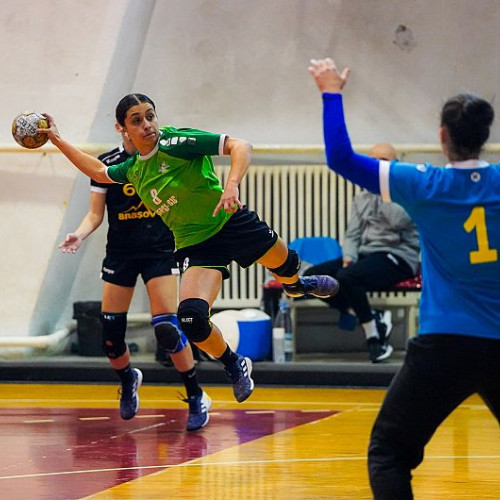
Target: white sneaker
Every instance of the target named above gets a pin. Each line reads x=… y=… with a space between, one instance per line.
x=383 y=320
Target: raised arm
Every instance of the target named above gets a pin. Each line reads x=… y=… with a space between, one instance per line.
x=340 y=156
x=84 y=162
x=241 y=155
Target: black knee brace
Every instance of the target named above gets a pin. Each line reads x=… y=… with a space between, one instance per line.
x=194 y=318
x=290 y=267
x=114 y=326
x=168 y=336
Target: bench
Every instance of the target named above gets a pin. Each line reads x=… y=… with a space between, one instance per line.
x=404 y=295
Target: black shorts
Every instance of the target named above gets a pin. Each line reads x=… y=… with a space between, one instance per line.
x=124 y=271
x=244 y=238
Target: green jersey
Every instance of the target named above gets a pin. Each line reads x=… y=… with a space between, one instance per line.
x=177 y=181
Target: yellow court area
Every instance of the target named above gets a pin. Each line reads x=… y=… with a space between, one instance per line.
x=324 y=458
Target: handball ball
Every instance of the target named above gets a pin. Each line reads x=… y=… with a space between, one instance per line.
x=24 y=129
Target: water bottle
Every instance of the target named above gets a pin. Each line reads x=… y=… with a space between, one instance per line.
x=282 y=334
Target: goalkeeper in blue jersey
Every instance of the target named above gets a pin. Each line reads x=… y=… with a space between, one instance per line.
x=457 y=211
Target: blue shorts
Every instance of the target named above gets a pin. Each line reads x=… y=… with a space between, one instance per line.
x=244 y=238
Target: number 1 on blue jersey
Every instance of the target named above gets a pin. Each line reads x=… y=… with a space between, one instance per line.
x=483 y=254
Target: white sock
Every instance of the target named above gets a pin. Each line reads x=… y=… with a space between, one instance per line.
x=370 y=329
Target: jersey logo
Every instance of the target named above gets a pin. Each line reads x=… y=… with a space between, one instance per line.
x=475 y=177
x=165 y=207
x=172 y=141
x=155 y=197
x=163 y=168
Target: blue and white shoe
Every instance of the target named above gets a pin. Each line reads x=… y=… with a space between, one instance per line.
x=239 y=374
x=129 y=396
x=199 y=406
x=320 y=286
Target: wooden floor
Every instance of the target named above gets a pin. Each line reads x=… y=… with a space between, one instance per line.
x=67 y=442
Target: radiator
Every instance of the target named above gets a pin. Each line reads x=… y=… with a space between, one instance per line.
x=296 y=201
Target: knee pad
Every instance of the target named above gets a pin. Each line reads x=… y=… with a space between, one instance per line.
x=170 y=339
x=114 y=326
x=194 y=318
x=290 y=267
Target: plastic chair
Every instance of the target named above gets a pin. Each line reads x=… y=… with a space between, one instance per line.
x=316 y=249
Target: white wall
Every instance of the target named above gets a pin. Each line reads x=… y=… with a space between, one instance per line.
x=233 y=66
x=240 y=66
x=70 y=58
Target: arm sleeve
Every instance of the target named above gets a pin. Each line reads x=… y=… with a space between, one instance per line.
x=117 y=174
x=340 y=156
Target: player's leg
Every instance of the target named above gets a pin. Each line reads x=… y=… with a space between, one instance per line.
x=198 y=291
x=115 y=304
x=490 y=375
x=246 y=239
x=285 y=264
x=162 y=293
x=435 y=378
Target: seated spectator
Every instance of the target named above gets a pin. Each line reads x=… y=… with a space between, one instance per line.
x=380 y=249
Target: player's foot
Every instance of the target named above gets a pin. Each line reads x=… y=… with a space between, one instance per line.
x=383 y=320
x=378 y=350
x=239 y=373
x=320 y=286
x=129 y=396
x=199 y=407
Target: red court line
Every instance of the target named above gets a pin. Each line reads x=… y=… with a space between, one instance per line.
x=54 y=454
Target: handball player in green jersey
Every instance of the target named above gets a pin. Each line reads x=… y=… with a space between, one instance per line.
x=173 y=173
x=138 y=243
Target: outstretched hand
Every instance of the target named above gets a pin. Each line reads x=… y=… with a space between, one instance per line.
x=70 y=244
x=327 y=76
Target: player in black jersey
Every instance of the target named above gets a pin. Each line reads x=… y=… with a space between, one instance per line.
x=138 y=243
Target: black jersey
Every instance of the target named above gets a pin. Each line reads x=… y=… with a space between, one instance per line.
x=134 y=231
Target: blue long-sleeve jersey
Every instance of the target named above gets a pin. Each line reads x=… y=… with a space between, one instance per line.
x=457 y=211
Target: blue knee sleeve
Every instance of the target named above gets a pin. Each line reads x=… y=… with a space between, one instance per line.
x=169 y=336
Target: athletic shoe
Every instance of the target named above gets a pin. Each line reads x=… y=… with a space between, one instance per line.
x=320 y=286
x=239 y=373
x=129 y=397
x=198 y=415
x=383 y=320
x=378 y=350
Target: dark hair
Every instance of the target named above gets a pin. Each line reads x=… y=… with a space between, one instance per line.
x=468 y=119
x=127 y=102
